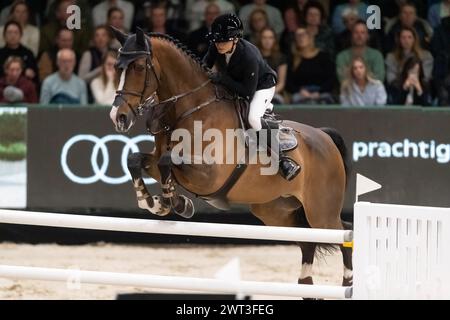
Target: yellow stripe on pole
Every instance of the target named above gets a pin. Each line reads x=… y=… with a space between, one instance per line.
x=348 y=244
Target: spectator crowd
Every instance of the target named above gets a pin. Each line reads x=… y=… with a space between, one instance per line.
x=322 y=50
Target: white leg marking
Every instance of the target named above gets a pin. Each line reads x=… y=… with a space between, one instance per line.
x=348 y=274
x=157 y=206
x=306 y=271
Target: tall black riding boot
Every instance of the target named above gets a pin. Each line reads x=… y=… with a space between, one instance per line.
x=289 y=169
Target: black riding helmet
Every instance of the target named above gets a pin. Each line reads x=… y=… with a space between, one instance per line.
x=225 y=28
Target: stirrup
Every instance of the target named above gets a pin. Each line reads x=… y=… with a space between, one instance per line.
x=289 y=169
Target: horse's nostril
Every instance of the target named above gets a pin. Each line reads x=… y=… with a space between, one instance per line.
x=123 y=118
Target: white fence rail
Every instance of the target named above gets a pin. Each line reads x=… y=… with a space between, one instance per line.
x=72 y=277
x=175 y=227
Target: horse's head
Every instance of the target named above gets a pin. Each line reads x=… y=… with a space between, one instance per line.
x=139 y=79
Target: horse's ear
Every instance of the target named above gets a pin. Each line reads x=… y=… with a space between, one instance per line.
x=140 y=37
x=120 y=36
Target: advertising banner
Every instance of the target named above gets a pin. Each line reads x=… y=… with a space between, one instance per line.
x=406 y=150
x=77 y=160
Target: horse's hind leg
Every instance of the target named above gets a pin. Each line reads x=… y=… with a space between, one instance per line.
x=308 y=252
x=147 y=162
x=347 y=253
x=285 y=213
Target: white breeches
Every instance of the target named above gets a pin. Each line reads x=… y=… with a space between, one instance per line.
x=262 y=101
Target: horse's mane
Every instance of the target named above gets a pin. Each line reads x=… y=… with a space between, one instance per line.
x=184 y=49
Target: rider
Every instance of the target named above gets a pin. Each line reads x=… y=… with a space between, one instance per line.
x=243 y=71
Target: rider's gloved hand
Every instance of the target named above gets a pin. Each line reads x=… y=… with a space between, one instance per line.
x=216 y=77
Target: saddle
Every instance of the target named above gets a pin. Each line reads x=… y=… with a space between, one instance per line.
x=286 y=137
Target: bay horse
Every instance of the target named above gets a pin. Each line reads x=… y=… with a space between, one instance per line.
x=160 y=76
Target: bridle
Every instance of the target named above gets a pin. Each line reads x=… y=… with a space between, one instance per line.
x=149 y=103
x=149 y=67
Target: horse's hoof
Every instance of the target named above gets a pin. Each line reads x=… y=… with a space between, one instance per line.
x=155 y=206
x=159 y=208
x=188 y=210
x=347 y=282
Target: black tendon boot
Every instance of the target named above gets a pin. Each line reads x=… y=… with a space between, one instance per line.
x=289 y=169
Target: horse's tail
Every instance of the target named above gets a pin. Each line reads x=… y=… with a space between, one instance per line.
x=340 y=144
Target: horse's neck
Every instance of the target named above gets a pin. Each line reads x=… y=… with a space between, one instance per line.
x=179 y=75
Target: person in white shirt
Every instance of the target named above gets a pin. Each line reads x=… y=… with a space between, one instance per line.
x=20 y=12
x=360 y=89
x=103 y=87
x=100 y=11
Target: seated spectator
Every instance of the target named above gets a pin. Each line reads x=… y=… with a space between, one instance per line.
x=407 y=18
x=12 y=34
x=20 y=12
x=50 y=31
x=197 y=41
x=100 y=11
x=299 y=7
x=373 y=58
x=391 y=8
x=195 y=11
x=64 y=87
x=33 y=10
x=103 y=87
x=14 y=87
x=408 y=45
x=440 y=46
x=176 y=18
x=437 y=12
x=274 y=15
x=91 y=61
x=337 y=21
x=411 y=89
x=258 y=20
x=51 y=8
x=315 y=20
x=344 y=39
x=310 y=73
x=158 y=23
x=270 y=50
x=360 y=89
x=291 y=22
x=116 y=20
x=47 y=61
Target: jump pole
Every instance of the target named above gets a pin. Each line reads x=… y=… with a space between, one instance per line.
x=175 y=283
x=176 y=227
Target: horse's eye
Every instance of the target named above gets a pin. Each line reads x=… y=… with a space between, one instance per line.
x=139 y=67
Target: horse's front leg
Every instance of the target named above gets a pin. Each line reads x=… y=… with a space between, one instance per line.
x=137 y=162
x=181 y=205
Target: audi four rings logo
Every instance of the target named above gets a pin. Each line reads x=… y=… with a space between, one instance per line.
x=99 y=170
